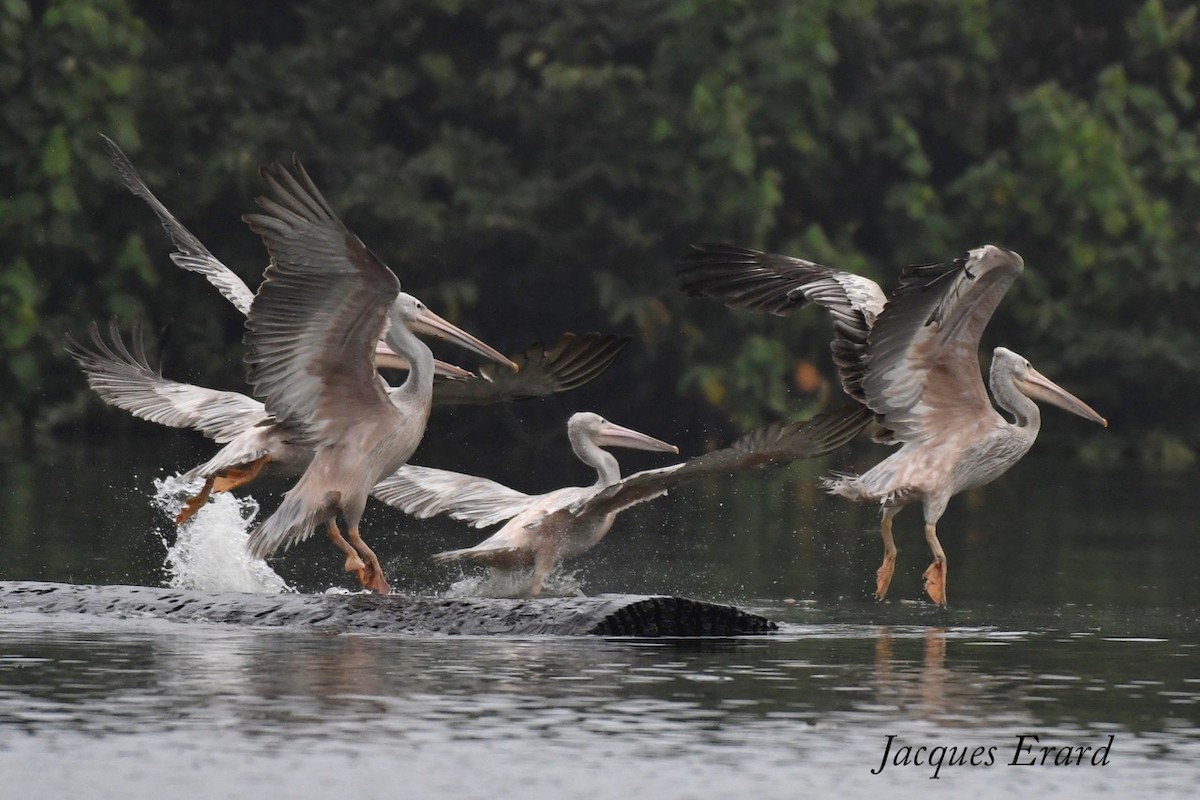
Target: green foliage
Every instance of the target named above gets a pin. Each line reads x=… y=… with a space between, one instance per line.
x=533 y=167
x=65 y=71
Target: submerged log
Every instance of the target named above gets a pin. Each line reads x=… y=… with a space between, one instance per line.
x=605 y=615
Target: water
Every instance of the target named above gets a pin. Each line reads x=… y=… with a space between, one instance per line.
x=1073 y=618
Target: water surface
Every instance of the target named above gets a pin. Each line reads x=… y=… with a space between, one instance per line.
x=1072 y=618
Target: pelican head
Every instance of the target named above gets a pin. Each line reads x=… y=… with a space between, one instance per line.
x=1014 y=368
x=586 y=426
x=409 y=312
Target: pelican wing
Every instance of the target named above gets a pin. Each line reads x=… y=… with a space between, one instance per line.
x=778 y=284
x=426 y=492
x=922 y=364
x=570 y=363
x=772 y=445
x=322 y=306
x=126 y=380
x=190 y=253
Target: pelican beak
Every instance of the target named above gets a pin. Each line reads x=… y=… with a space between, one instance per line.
x=427 y=323
x=387 y=358
x=611 y=435
x=1037 y=386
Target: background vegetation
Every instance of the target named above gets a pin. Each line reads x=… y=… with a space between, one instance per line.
x=532 y=167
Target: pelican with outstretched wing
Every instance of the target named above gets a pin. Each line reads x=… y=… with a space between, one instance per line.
x=912 y=360
x=543 y=530
x=311 y=334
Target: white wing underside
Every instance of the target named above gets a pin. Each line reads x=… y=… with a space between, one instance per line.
x=125 y=379
x=425 y=492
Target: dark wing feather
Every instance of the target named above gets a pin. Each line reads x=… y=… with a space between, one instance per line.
x=778 y=284
x=922 y=365
x=322 y=306
x=772 y=445
x=190 y=253
x=126 y=380
x=570 y=363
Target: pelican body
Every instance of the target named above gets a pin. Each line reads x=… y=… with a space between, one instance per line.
x=542 y=530
x=311 y=334
x=913 y=361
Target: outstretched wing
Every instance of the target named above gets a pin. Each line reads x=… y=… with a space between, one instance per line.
x=322 y=306
x=190 y=253
x=778 y=284
x=126 y=380
x=922 y=365
x=426 y=492
x=769 y=446
x=573 y=361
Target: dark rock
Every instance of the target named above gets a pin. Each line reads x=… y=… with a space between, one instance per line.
x=605 y=615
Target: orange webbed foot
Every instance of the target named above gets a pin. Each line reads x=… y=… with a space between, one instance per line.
x=194 y=504
x=376 y=582
x=935 y=582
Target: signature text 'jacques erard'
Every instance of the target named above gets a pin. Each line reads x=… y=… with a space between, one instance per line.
x=1028 y=752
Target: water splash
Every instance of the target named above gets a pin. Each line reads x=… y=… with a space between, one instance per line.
x=515 y=583
x=209 y=552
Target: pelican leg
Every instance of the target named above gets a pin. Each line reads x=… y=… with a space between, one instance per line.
x=374 y=579
x=543 y=562
x=935 y=575
x=195 y=503
x=235 y=477
x=232 y=478
x=353 y=562
x=883 y=575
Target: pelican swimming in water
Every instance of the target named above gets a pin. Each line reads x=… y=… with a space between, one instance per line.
x=324 y=303
x=913 y=360
x=543 y=530
x=251 y=441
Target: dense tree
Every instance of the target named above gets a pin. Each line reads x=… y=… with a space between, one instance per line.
x=531 y=167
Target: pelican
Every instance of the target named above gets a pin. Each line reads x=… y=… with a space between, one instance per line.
x=913 y=360
x=324 y=303
x=544 y=530
x=252 y=441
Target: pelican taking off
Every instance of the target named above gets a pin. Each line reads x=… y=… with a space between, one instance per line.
x=913 y=360
x=324 y=303
x=543 y=530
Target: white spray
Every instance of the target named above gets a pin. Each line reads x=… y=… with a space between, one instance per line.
x=209 y=552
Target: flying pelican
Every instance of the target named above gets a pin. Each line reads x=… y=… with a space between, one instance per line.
x=241 y=423
x=324 y=303
x=252 y=441
x=913 y=360
x=543 y=530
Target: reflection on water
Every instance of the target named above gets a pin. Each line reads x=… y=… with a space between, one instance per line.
x=1072 y=618
x=298 y=714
